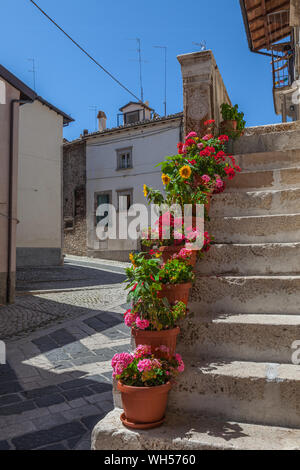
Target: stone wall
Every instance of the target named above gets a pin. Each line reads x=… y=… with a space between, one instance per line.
x=74 y=198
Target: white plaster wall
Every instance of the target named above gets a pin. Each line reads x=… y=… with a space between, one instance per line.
x=149 y=147
x=39 y=177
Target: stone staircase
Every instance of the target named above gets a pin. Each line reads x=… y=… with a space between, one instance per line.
x=240 y=389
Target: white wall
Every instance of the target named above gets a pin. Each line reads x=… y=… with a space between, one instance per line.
x=150 y=145
x=39 y=184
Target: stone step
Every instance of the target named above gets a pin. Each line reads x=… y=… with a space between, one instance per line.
x=246 y=294
x=270 y=138
x=251 y=259
x=260 y=338
x=279 y=228
x=267 y=202
x=269 y=160
x=187 y=432
x=254 y=392
x=268 y=179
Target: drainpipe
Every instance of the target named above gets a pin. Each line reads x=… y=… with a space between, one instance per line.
x=10 y=192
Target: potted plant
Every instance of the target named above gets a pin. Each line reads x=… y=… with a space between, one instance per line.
x=199 y=170
x=144 y=381
x=233 y=120
x=153 y=321
x=176 y=278
x=149 y=277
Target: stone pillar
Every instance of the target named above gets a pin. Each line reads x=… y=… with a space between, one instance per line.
x=203 y=90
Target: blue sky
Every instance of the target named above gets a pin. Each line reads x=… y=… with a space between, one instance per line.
x=72 y=82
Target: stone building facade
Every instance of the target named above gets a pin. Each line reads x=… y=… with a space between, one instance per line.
x=74 y=197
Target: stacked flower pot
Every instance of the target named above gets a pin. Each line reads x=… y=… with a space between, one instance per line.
x=160 y=279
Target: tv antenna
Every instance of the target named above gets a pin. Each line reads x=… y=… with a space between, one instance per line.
x=164 y=48
x=94 y=108
x=33 y=71
x=201 y=45
x=140 y=61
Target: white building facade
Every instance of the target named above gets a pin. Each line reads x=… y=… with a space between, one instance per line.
x=39 y=231
x=118 y=163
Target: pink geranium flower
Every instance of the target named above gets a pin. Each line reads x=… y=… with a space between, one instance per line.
x=142 y=324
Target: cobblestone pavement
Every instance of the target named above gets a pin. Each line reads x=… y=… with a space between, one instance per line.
x=57 y=384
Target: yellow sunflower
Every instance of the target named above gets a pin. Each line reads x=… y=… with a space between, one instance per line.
x=165 y=179
x=145 y=190
x=185 y=172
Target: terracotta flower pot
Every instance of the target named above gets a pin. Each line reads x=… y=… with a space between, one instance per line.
x=207 y=205
x=155 y=339
x=229 y=125
x=175 y=292
x=144 y=407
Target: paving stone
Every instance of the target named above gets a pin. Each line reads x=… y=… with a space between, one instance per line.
x=104 y=354
x=96 y=399
x=108 y=376
x=4 y=445
x=51 y=421
x=75 y=349
x=49 y=400
x=45 y=343
x=114 y=334
x=76 y=383
x=78 y=402
x=101 y=387
x=84 y=444
x=106 y=406
x=62 y=365
x=17 y=408
x=77 y=393
x=9 y=399
x=109 y=319
x=95 y=324
x=72 y=443
x=78 y=413
x=15 y=430
x=62 y=337
x=57 y=355
x=48 y=436
x=59 y=408
x=40 y=392
x=54 y=447
x=84 y=360
x=91 y=421
x=121 y=348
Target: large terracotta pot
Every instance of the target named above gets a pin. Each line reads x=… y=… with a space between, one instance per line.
x=144 y=407
x=155 y=339
x=175 y=292
x=169 y=251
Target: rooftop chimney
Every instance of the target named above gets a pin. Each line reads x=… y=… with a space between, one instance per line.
x=85 y=132
x=101 y=120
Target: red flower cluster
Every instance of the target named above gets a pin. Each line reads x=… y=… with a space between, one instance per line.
x=209 y=122
x=207 y=242
x=190 y=142
x=205 y=153
x=180 y=147
x=223 y=139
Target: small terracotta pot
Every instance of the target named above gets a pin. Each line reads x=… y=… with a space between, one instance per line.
x=168 y=251
x=157 y=338
x=175 y=292
x=144 y=405
x=207 y=205
x=229 y=125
